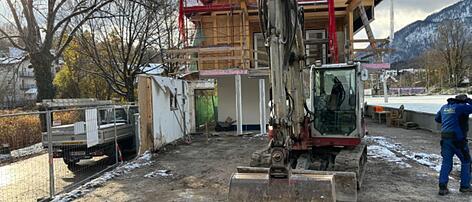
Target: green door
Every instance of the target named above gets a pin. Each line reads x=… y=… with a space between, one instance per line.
x=206 y=108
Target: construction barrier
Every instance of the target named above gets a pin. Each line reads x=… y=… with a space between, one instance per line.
x=46 y=153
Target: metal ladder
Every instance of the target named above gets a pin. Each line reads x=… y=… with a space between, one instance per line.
x=370 y=34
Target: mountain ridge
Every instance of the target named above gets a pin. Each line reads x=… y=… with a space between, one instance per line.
x=417 y=37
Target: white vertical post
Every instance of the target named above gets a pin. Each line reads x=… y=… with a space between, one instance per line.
x=239 y=107
x=184 y=107
x=262 y=106
x=385 y=77
x=390 y=58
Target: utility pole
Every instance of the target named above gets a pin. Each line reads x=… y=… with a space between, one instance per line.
x=390 y=59
x=392 y=21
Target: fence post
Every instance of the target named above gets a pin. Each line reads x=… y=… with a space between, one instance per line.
x=137 y=130
x=50 y=154
x=116 y=138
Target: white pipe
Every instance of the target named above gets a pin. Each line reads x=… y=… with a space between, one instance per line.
x=262 y=106
x=239 y=108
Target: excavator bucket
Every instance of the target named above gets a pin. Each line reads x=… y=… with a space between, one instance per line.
x=253 y=184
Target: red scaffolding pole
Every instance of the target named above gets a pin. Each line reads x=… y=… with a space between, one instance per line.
x=182 y=21
x=333 y=39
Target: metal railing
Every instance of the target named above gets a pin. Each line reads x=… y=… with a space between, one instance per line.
x=26 y=74
x=27 y=86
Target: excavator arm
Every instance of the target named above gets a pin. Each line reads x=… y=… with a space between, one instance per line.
x=283 y=20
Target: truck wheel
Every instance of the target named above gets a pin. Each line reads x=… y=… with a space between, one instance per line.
x=128 y=144
x=71 y=164
x=111 y=154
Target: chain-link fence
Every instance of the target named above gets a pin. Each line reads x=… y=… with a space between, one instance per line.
x=23 y=161
x=45 y=153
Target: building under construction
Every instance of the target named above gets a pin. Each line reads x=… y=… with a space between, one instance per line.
x=223 y=40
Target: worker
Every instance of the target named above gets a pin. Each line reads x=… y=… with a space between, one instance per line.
x=454 y=141
x=338 y=94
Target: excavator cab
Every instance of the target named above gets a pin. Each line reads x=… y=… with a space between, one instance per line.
x=337 y=100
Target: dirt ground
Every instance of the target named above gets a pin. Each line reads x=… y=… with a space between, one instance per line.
x=201 y=171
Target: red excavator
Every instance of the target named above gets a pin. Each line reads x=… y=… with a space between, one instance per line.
x=316 y=150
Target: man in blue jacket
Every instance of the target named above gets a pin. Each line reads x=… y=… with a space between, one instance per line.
x=453 y=117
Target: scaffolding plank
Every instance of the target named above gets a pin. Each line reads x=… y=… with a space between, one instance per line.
x=259 y=73
x=204 y=50
x=223 y=72
x=203 y=59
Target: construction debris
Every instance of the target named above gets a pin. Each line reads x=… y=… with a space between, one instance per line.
x=158 y=173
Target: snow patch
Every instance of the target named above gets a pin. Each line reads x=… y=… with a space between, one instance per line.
x=385 y=154
x=26 y=151
x=33 y=149
x=188 y=194
x=158 y=173
x=143 y=160
x=432 y=161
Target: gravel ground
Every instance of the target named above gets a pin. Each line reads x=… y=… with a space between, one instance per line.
x=201 y=171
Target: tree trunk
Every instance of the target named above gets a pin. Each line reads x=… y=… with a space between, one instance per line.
x=130 y=97
x=42 y=63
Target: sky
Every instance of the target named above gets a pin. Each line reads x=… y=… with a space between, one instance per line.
x=406 y=12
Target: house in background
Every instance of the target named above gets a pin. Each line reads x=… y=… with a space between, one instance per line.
x=154 y=69
x=223 y=41
x=17 y=81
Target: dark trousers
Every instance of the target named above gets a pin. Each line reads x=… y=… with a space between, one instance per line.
x=448 y=149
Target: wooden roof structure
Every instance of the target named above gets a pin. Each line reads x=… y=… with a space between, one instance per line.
x=219 y=34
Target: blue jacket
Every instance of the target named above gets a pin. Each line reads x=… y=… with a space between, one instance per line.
x=450 y=116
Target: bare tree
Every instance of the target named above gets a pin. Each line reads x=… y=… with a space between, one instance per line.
x=168 y=30
x=451 y=43
x=120 y=45
x=432 y=62
x=42 y=26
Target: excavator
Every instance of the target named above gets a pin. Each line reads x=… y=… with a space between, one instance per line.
x=316 y=150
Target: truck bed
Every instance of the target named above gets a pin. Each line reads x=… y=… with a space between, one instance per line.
x=64 y=135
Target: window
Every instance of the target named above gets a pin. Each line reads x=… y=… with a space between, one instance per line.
x=317 y=51
x=335 y=101
x=106 y=116
x=261 y=58
x=173 y=101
